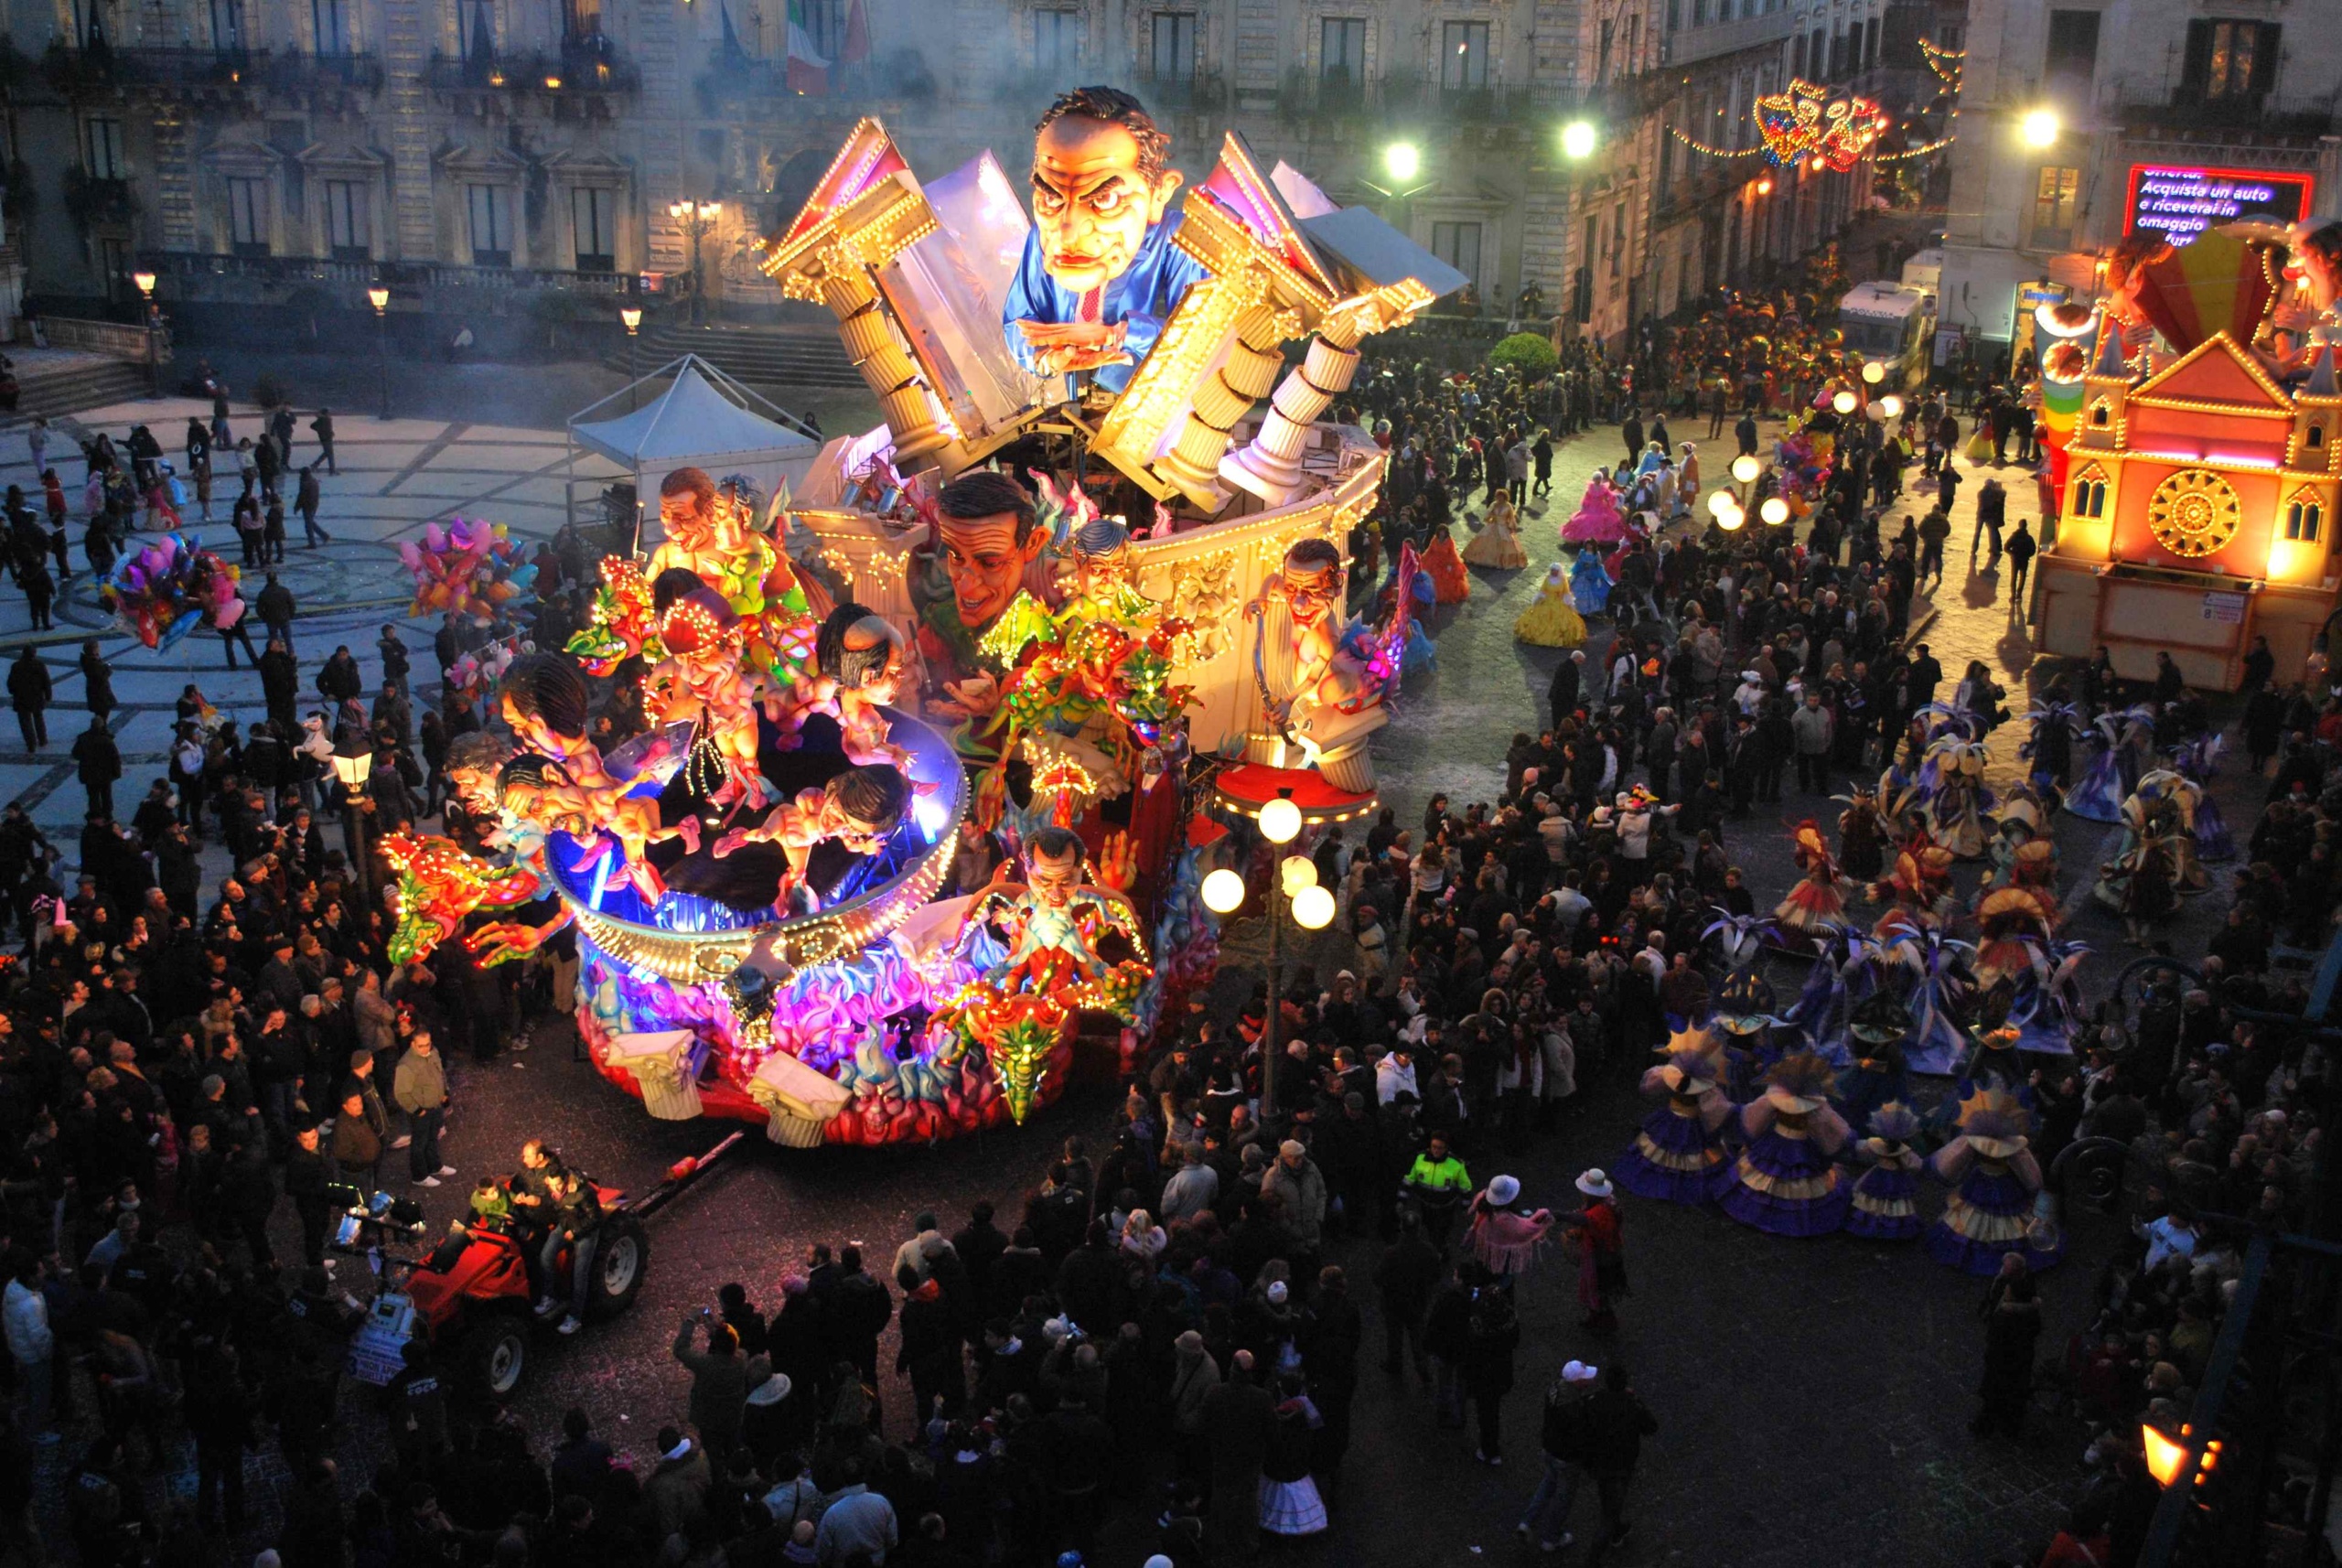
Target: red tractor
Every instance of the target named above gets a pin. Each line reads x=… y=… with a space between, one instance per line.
x=469 y=1297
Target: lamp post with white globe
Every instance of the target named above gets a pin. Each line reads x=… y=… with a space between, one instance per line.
x=1313 y=910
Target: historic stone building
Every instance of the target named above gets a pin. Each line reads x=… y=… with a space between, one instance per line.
x=463 y=150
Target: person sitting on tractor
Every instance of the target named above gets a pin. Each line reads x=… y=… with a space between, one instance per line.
x=578 y=1214
x=533 y=1205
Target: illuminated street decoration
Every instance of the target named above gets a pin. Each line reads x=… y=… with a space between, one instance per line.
x=1804 y=121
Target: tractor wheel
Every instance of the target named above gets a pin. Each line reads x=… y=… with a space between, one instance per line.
x=496 y=1352
x=619 y=1264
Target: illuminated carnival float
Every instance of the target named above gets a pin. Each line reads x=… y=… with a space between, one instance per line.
x=2194 y=428
x=1079 y=593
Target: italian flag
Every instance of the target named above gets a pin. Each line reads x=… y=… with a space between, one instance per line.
x=809 y=73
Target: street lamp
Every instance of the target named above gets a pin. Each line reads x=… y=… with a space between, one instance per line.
x=2039 y=128
x=1579 y=139
x=354 y=764
x=1745 y=470
x=380 y=298
x=1845 y=402
x=1890 y=406
x=1873 y=373
x=631 y=316
x=145 y=282
x=1775 y=510
x=1313 y=910
x=1402 y=161
x=1728 y=512
x=696 y=218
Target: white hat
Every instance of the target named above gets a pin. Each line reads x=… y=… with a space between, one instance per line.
x=1277 y=1292
x=1594 y=1183
x=1579 y=1372
x=1503 y=1191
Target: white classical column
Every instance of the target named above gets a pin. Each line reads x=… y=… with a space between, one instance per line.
x=1270 y=468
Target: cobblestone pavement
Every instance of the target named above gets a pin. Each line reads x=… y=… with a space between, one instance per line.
x=1814 y=1396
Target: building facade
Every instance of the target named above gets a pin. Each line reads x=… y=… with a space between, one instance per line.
x=2079 y=123
x=250 y=150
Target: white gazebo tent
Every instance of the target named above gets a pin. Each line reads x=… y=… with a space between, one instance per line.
x=702 y=419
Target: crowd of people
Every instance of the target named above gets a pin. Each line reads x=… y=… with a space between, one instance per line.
x=1168 y=1334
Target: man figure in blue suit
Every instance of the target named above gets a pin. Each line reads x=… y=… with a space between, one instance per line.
x=1099 y=274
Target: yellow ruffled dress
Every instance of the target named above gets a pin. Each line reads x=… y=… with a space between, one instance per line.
x=1552 y=620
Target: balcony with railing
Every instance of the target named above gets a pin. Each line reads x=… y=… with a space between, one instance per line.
x=1688 y=46
x=191 y=266
x=2239 y=119
x=77 y=72
x=901 y=89
x=585 y=67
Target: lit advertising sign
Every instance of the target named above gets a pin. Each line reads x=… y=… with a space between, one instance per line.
x=2181 y=203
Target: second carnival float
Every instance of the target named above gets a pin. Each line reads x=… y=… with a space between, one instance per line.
x=1079 y=606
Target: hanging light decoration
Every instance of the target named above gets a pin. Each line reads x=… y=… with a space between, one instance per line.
x=1806 y=123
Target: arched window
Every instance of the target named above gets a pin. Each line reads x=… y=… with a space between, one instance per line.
x=2089 y=491
x=2101 y=415
x=2304 y=516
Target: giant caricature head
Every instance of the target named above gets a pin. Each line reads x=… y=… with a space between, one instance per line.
x=862 y=652
x=2317 y=263
x=1099 y=181
x=473 y=762
x=543 y=699
x=863 y=805
x=687 y=507
x=1053 y=865
x=1311 y=580
x=990 y=535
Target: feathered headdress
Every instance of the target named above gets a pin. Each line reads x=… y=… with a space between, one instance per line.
x=1879 y=1020
x=1799 y=1083
x=1744 y=1004
x=1894 y=1121
x=1687 y=1071
x=1994 y=1123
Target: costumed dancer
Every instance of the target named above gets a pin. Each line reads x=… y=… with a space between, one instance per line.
x=1497 y=545
x=2144 y=881
x=1874 y=1036
x=1862 y=833
x=1744 y=1018
x=1994 y=1178
x=2049 y=750
x=1952 y=798
x=1506 y=1239
x=2014 y=925
x=1590 y=584
x=1785 y=1182
x=1451 y=585
x=1289 y=1501
x=1551 y=620
x=1885 y=1207
x=1599 y=520
x=1602 y=1253
x=1678 y=1155
x=2196 y=762
x=2114 y=773
x=1818 y=902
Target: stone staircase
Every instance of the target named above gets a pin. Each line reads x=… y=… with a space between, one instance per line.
x=791 y=359
x=90 y=382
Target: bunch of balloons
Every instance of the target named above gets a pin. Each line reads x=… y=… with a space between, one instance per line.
x=470 y=567
x=167 y=587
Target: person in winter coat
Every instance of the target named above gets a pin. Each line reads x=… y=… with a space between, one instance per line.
x=1297 y=1183
x=677 y=1489
x=930 y=1356
x=719 y=1378
x=1492 y=1333
x=1617 y=1422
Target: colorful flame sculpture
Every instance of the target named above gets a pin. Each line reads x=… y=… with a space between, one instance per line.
x=1804 y=121
x=2218 y=282
x=439 y=884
